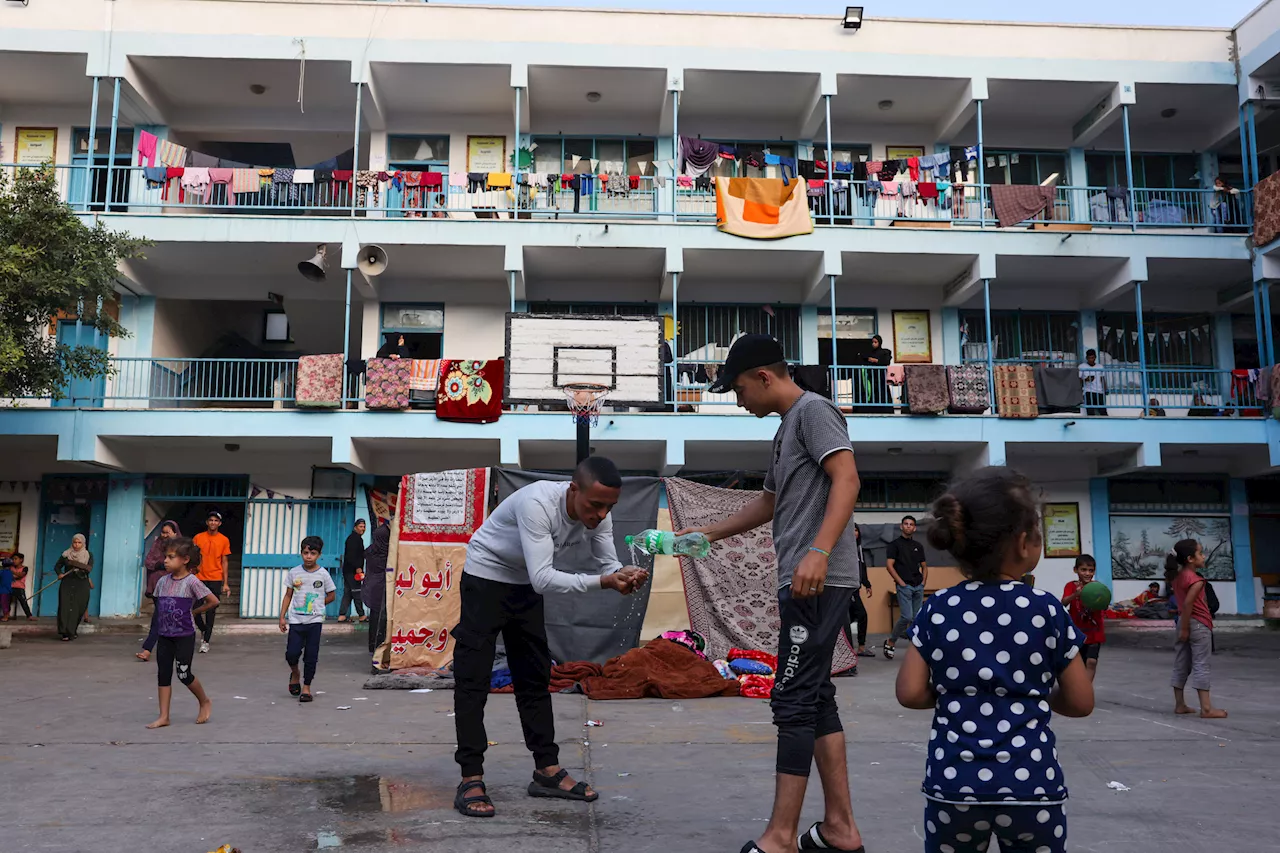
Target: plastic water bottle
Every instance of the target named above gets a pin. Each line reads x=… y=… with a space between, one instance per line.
x=665 y=542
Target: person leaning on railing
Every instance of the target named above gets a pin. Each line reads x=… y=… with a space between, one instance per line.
x=1221 y=205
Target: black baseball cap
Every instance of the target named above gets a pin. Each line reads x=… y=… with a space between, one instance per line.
x=747 y=353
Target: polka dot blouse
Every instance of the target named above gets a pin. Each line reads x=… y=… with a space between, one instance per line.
x=994 y=652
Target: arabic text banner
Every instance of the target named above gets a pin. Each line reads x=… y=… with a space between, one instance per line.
x=435 y=517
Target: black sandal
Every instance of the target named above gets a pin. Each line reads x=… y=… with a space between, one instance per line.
x=295 y=688
x=549 y=786
x=306 y=697
x=465 y=805
x=814 y=840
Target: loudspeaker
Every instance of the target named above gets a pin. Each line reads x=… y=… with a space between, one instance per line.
x=373 y=260
x=315 y=268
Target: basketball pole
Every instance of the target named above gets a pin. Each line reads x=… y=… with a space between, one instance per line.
x=584 y=440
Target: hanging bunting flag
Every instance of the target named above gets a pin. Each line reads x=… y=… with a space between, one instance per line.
x=1166 y=336
x=1151 y=337
x=1196 y=332
x=24 y=486
x=288 y=502
x=644 y=167
x=576 y=160
x=1183 y=336
x=533 y=146
x=271 y=495
x=671 y=164
x=768 y=309
x=1106 y=332
x=1133 y=336
x=595 y=164
x=1205 y=328
x=254 y=492
x=148 y=483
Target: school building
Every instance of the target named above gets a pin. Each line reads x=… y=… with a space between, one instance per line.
x=984 y=197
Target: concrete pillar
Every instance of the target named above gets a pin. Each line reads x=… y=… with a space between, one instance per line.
x=1100 y=514
x=951 y=353
x=1077 y=176
x=1088 y=331
x=664 y=150
x=809 y=334
x=1242 y=548
x=122 y=577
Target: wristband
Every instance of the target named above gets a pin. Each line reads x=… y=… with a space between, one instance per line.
x=820 y=551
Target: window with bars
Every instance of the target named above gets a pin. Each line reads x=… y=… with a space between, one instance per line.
x=1040 y=336
x=1172 y=495
x=556 y=154
x=1150 y=171
x=1184 y=340
x=707 y=331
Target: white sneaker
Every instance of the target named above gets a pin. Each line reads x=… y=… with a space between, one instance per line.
x=204 y=648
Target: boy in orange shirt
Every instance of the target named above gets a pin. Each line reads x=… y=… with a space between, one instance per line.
x=214 y=550
x=1089 y=622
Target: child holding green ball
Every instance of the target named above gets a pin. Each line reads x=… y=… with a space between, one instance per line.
x=1089 y=622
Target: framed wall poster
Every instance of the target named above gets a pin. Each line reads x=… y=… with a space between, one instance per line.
x=902 y=152
x=10 y=523
x=1061 y=525
x=34 y=146
x=912 y=338
x=1139 y=544
x=486 y=154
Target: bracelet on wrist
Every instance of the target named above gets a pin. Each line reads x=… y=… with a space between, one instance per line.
x=820 y=551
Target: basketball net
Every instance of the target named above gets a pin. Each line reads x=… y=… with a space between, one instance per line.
x=584 y=400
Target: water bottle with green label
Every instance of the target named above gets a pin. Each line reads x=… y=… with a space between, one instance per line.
x=665 y=542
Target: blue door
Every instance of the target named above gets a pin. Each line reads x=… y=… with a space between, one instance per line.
x=332 y=521
x=274 y=529
x=62 y=522
x=81 y=393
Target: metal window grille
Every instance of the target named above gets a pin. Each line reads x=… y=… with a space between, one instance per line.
x=705 y=326
x=1041 y=336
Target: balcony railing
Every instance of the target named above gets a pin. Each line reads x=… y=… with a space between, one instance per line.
x=271 y=382
x=847 y=203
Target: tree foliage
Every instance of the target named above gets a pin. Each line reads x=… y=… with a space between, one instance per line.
x=50 y=261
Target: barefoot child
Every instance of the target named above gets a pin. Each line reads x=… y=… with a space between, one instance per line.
x=308 y=588
x=992 y=657
x=1088 y=622
x=179 y=596
x=1195 y=628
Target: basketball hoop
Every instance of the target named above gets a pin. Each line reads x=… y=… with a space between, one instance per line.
x=584 y=400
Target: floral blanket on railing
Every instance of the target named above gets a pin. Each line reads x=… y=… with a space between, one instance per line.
x=470 y=391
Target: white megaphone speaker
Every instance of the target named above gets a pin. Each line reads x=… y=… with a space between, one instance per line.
x=373 y=260
x=315 y=268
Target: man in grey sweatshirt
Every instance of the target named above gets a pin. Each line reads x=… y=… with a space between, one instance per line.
x=549 y=537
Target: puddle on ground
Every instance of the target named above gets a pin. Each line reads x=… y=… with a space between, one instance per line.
x=349 y=795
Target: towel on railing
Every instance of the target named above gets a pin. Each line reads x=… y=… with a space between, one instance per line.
x=245 y=181
x=470 y=391
x=319 y=383
x=171 y=153
x=1058 y=389
x=1015 y=203
x=424 y=374
x=762 y=208
x=386 y=383
x=1266 y=210
x=1016 y=391
x=926 y=389
x=967 y=384
x=1264 y=384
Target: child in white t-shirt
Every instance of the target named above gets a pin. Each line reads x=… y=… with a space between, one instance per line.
x=308 y=588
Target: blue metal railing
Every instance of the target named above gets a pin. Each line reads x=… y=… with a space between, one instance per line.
x=849 y=203
x=263 y=383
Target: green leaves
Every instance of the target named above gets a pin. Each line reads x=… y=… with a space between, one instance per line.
x=51 y=262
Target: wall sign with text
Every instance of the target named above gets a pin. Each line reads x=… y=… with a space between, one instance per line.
x=1061 y=530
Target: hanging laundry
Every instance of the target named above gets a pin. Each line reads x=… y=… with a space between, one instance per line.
x=702 y=183
x=684 y=181
x=245 y=181
x=499 y=180
x=634 y=180
x=174 y=173
x=367 y=180
x=203 y=161
x=874 y=167
x=754 y=158
x=971 y=153
x=1017 y=203
x=913 y=167
x=927 y=191
x=476 y=181
x=728 y=152
x=304 y=176
x=844 y=168
x=170 y=153
x=155 y=176
x=697 y=155
x=146 y=148
x=772 y=159
x=761 y=208
x=196 y=180
x=324 y=176
x=223 y=177
x=457 y=179
x=660 y=180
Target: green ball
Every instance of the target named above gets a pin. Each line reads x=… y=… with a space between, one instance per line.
x=1095 y=596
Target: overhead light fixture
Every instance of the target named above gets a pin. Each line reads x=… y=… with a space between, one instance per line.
x=315 y=268
x=593 y=97
x=1169 y=113
x=885 y=105
x=853 y=17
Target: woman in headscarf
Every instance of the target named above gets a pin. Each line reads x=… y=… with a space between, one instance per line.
x=353 y=573
x=73 y=569
x=153 y=563
x=374 y=589
x=875 y=382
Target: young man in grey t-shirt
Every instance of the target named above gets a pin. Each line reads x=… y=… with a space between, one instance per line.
x=809 y=494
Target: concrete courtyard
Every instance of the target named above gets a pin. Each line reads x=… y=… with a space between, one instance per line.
x=78 y=772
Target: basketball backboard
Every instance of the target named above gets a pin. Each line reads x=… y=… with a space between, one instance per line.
x=547 y=351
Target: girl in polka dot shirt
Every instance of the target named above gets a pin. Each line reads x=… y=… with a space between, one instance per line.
x=993 y=657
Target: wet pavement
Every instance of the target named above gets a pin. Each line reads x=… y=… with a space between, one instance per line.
x=78 y=772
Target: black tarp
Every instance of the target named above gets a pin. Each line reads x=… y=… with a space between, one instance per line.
x=598 y=625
